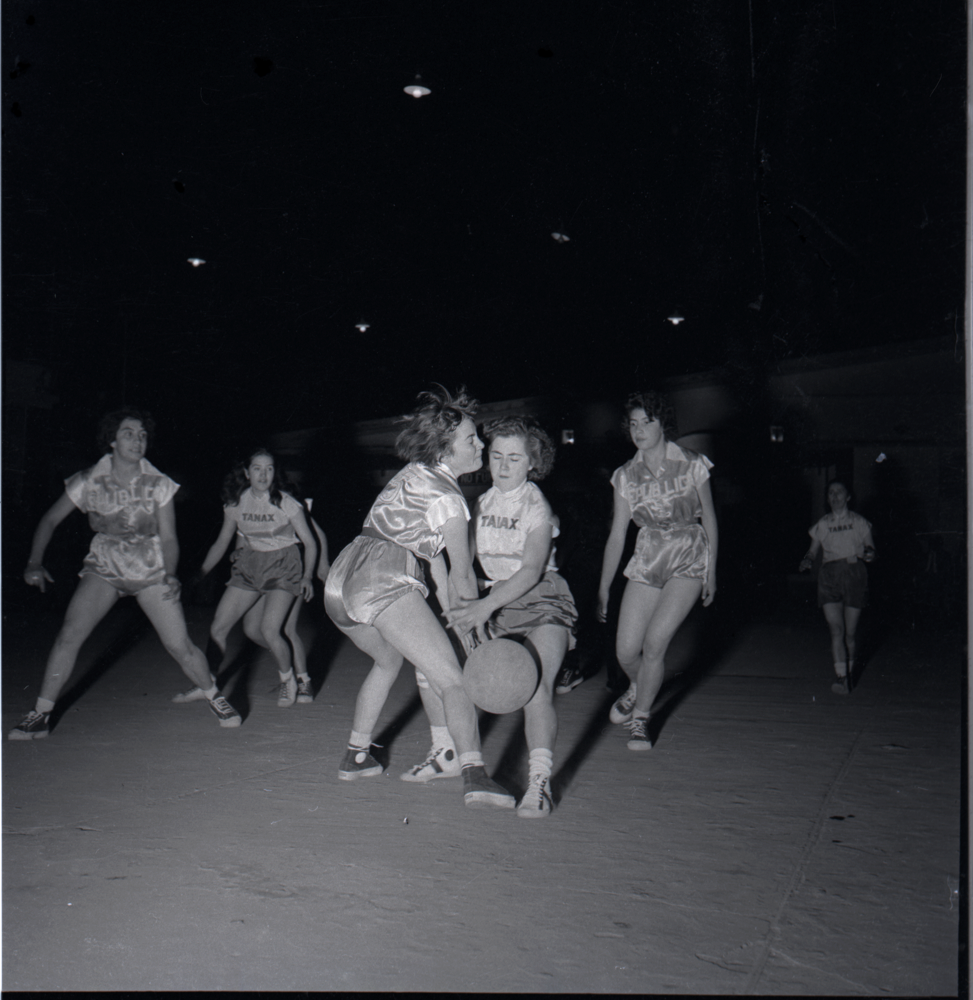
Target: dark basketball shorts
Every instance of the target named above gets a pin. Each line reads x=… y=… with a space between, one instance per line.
x=266 y=571
x=548 y=602
x=841 y=582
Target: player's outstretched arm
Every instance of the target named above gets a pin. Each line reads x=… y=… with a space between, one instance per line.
x=708 y=518
x=621 y=515
x=219 y=547
x=808 y=561
x=304 y=533
x=35 y=575
x=170 y=549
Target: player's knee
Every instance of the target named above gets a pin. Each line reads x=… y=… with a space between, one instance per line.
x=218 y=634
x=654 y=649
x=183 y=652
x=271 y=636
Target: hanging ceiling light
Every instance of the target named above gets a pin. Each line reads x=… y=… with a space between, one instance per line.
x=416 y=89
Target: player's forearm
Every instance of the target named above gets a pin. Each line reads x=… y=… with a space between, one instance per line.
x=609 y=565
x=310 y=558
x=170 y=555
x=712 y=537
x=464 y=584
x=42 y=537
x=514 y=587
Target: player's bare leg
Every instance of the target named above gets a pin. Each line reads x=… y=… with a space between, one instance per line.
x=233 y=605
x=661 y=612
x=851 y=635
x=834 y=615
x=252 y=622
x=169 y=622
x=410 y=625
x=442 y=760
x=549 y=643
x=90 y=603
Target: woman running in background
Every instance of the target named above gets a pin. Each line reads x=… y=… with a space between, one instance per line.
x=845 y=538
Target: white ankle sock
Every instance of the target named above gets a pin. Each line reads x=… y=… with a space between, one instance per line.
x=540 y=762
x=441 y=737
x=359 y=741
x=44 y=705
x=472 y=758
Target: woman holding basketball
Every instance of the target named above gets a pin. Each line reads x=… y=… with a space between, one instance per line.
x=376 y=590
x=266 y=564
x=845 y=538
x=512 y=536
x=665 y=490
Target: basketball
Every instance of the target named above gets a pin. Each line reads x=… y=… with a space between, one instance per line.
x=500 y=676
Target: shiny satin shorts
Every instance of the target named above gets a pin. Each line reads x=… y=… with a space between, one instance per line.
x=548 y=602
x=663 y=553
x=128 y=564
x=265 y=571
x=368 y=576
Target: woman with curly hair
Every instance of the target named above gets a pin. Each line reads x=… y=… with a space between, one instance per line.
x=527 y=600
x=268 y=522
x=665 y=490
x=376 y=589
x=135 y=552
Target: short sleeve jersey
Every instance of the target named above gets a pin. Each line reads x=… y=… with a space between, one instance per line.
x=664 y=497
x=263 y=525
x=125 y=511
x=412 y=509
x=841 y=538
x=503 y=521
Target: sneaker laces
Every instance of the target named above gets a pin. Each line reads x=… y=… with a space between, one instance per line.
x=431 y=756
x=33 y=716
x=637 y=727
x=627 y=700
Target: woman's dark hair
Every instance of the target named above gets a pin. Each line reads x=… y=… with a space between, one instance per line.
x=656 y=406
x=237 y=480
x=110 y=422
x=539 y=446
x=428 y=436
x=837 y=481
